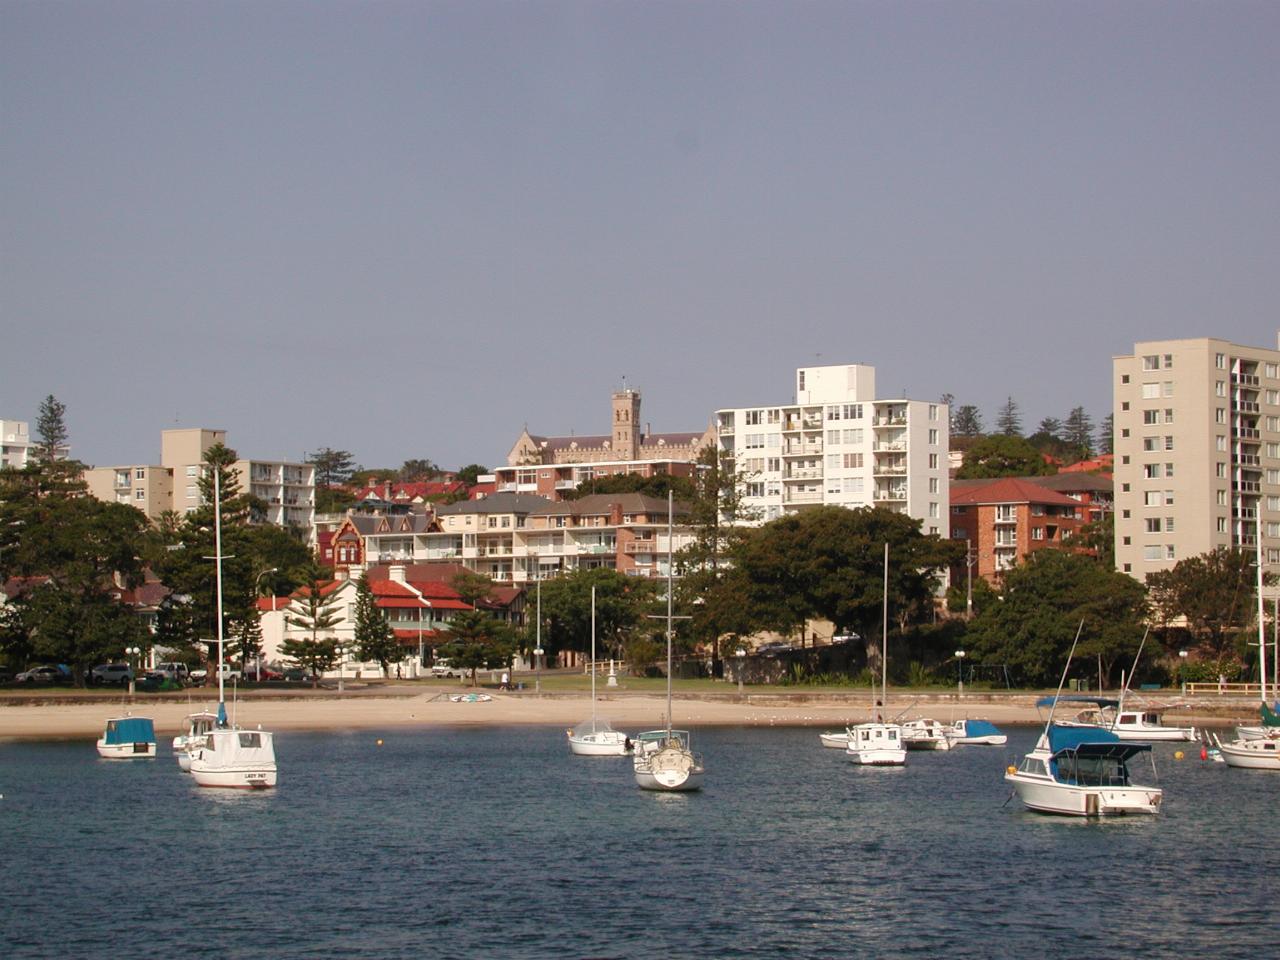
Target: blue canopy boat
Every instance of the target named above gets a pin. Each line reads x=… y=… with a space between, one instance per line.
x=127 y=738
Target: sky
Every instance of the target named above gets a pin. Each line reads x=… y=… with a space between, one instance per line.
x=408 y=230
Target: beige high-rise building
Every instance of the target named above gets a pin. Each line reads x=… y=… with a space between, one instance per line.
x=1197 y=451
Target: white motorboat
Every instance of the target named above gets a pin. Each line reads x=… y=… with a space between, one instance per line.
x=836 y=740
x=876 y=745
x=128 y=738
x=1081 y=770
x=235 y=758
x=1133 y=724
x=879 y=744
x=977 y=731
x=1259 y=754
x=664 y=759
x=195 y=728
x=595 y=737
x=925 y=734
x=230 y=757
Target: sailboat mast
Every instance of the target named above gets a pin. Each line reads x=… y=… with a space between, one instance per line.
x=1054 y=707
x=670 y=565
x=593 y=659
x=884 y=640
x=217 y=558
x=1262 y=628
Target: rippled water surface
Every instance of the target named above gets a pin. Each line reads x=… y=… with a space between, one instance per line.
x=496 y=842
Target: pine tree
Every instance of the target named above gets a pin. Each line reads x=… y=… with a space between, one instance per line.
x=966 y=422
x=315 y=612
x=374 y=638
x=1078 y=431
x=1009 y=420
x=51 y=427
x=1051 y=427
x=1106 y=434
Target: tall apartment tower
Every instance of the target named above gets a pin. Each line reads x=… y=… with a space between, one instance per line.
x=1197 y=451
x=837 y=444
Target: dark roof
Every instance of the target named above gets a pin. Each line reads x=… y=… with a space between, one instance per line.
x=495 y=503
x=602 y=503
x=1076 y=483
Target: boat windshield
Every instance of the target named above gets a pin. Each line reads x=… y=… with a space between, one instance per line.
x=1091 y=771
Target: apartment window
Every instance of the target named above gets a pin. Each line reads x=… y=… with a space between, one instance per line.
x=933 y=461
x=834 y=485
x=933 y=509
x=1037 y=533
x=1221 y=471
x=1273 y=503
x=753 y=418
x=1168 y=524
x=1169 y=552
x=1273 y=397
x=1220 y=388
x=853 y=461
x=1168 y=415
x=754 y=441
x=1150 y=444
x=833 y=413
x=1153 y=498
x=192 y=470
x=1124 y=514
x=1124 y=432
x=1153 y=524
x=493 y=523
x=193 y=492
x=833 y=437
x=1222 y=498
x=933 y=411
x=1151 y=551
x=1273 y=450
x=1273 y=476
x=1151 y=391
x=1168 y=469
x=1125 y=486
x=853 y=485
x=1222 y=524
x=1220 y=361
x=506 y=523
x=853 y=436
x=1273 y=529
x=1271 y=370
x=1124 y=458
x=140 y=474
x=853 y=411
x=800 y=380
x=933 y=436
x=833 y=461
x=1151 y=363
x=773 y=464
x=1168 y=443
x=1151 y=471
x=1150 y=417
x=1124 y=378
x=1220 y=415
x=1168 y=361
x=755 y=489
x=1168 y=389
x=140 y=494
x=933 y=484
x=1273 y=424
x=1127 y=541
x=773 y=441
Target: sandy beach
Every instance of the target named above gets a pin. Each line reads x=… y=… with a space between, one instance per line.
x=363 y=709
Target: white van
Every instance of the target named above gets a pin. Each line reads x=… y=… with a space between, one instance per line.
x=175 y=670
x=443 y=668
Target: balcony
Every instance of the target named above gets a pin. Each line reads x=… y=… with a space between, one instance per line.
x=881 y=422
x=1248 y=433
x=1248 y=486
x=802 y=498
x=1248 y=460
x=1246 y=406
x=1247 y=379
x=894 y=494
x=726 y=429
x=641 y=546
x=896 y=446
x=808 y=473
x=802 y=449
x=890 y=470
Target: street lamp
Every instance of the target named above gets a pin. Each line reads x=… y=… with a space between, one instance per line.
x=1182 y=655
x=256 y=581
x=742 y=660
x=132 y=653
x=960 y=670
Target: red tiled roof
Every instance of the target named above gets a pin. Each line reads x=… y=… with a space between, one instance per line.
x=1006 y=490
x=410 y=637
x=267 y=604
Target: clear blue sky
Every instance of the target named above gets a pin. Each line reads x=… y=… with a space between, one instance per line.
x=407 y=229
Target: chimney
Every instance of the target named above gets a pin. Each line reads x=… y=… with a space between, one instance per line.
x=395 y=573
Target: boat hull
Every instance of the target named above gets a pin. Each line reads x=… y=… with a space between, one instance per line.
x=126 y=751
x=1156 y=734
x=1049 y=796
x=1261 y=754
x=672 y=769
x=668 y=781
x=878 y=757
x=234 y=778
x=611 y=744
x=835 y=741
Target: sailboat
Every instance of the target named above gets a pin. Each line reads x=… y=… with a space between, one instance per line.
x=663 y=759
x=196 y=728
x=879 y=744
x=230 y=756
x=594 y=737
x=1256 y=748
x=1081 y=771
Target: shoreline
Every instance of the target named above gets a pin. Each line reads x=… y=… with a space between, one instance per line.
x=74 y=718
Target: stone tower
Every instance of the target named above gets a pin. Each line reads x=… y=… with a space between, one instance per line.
x=626 y=424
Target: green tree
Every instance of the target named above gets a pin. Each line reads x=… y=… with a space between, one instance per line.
x=1078 y=433
x=1003 y=456
x=51 y=428
x=1009 y=419
x=966 y=422
x=247 y=647
x=471 y=587
x=476 y=640
x=420 y=469
x=1044 y=601
x=1099 y=538
x=374 y=638
x=656 y=486
x=1215 y=591
x=313 y=610
x=470 y=474
x=1106 y=434
x=333 y=467
x=1050 y=427
x=621 y=605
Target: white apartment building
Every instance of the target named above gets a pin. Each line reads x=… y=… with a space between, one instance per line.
x=835 y=444
x=1197 y=451
x=287 y=489
x=15 y=443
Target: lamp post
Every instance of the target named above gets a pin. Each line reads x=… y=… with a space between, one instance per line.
x=960 y=670
x=537 y=643
x=132 y=654
x=1182 y=657
x=742 y=662
x=257 y=580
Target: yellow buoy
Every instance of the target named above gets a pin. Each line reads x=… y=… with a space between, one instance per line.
x=1011 y=769
x=379 y=741
x=1177 y=755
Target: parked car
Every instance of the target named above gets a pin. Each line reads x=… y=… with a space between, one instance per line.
x=771 y=648
x=198 y=676
x=297 y=675
x=41 y=674
x=154 y=680
x=845 y=638
x=175 y=670
x=265 y=674
x=443 y=668
x=230 y=671
x=111 y=673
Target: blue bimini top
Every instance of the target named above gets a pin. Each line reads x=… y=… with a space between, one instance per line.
x=1099 y=701
x=130 y=730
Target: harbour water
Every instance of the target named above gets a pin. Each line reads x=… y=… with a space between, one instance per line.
x=496 y=842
